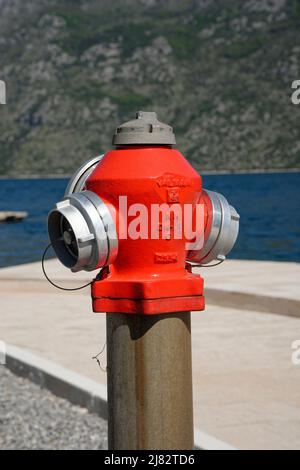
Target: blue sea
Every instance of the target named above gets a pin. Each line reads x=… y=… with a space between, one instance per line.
x=268 y=204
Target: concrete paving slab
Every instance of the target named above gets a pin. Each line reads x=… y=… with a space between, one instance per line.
x=265 y=286
x=276 y=279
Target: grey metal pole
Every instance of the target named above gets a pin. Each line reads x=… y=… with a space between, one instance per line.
x=149 y=373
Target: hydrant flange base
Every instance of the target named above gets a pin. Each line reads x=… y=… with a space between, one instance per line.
x=149 y=307
x=146 y=296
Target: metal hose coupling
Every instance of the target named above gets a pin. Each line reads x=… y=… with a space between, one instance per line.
x=222 y=232
x=83 y=232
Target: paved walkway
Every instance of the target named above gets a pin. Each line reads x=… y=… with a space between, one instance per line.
x=255 y=285
x=246 y=389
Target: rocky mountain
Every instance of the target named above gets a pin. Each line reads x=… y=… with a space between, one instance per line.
x=219 y=71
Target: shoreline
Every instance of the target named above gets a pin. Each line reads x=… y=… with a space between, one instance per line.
x=247 y=260
x=203 y=172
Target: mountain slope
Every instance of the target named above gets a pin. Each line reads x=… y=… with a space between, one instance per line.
x=219 y=72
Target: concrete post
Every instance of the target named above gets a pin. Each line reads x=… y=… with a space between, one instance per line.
x=149 y=375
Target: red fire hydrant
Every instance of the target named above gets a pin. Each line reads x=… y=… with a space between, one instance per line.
x=141 y=215
x=145 y=186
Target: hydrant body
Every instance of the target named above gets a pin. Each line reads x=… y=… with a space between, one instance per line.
x=150 y=274
x=140 y=213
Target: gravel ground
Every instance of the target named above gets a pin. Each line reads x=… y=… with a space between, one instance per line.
x=33 y=418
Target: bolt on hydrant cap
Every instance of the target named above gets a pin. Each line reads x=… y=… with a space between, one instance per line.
x=145 y=129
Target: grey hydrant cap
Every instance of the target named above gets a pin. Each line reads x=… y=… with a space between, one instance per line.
x=145 y=129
